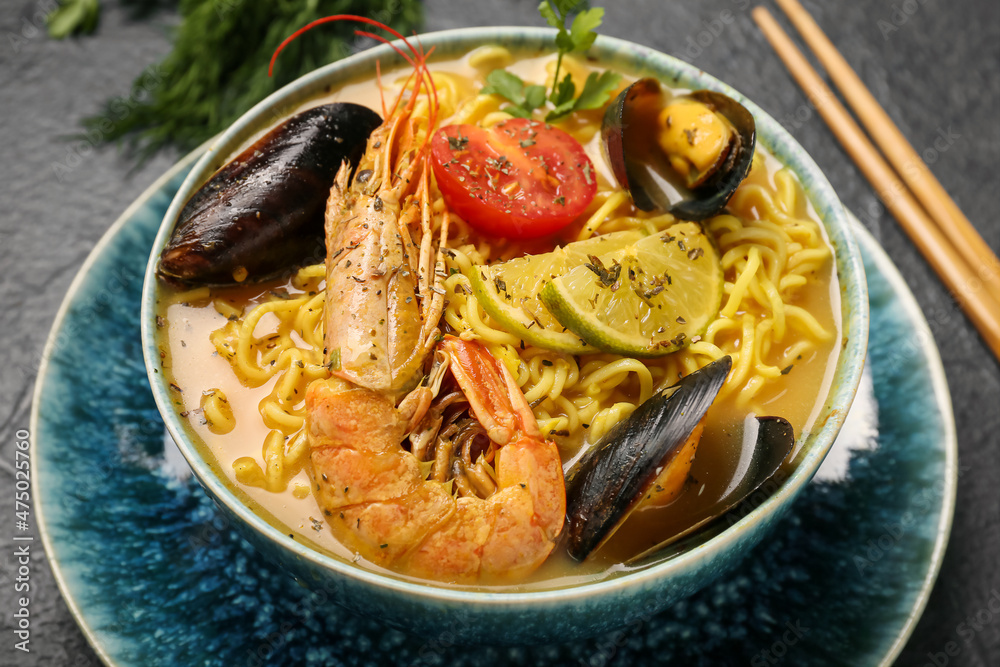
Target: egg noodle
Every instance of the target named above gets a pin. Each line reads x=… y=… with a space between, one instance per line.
x=769 y=248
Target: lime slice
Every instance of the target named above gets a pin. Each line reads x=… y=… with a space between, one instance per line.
x=509 y=291
x=645 y=300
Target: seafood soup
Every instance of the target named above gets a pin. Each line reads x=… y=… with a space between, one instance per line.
x=489 y=345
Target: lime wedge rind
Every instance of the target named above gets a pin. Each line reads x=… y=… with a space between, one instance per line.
x=517 y=320
x=509 y=291
x=647 y=300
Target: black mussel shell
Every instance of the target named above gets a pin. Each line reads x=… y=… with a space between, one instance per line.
x=611 y=480
x=262 y=213
x=629 y=138
x=774 y=439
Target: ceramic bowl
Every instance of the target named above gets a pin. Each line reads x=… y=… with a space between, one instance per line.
x=465 y=615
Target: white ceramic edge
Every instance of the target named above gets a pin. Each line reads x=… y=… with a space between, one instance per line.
x=47 y=351
x=939 y=386
x=680 y=565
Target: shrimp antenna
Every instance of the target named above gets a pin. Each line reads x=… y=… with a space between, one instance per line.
x=432 y=118
x=381 y=90
x=419 y=65
x=332 y=19
x=416 y=67
x=418 y=60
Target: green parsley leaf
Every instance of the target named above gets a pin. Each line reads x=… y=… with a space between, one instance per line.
x=524 y=99
x=505 y=84
x=549 y=14
x=597 y=89
x=564 y=42
x=584 y=26
x=564 y=92
x=534 y=96
x=579 y=36
x=517 y=112
x=560 y=111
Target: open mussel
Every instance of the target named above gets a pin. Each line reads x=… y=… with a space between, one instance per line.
x=684 y=154
x=646 y=459
x=616 y=475
x=773 y=439
x=262 y=213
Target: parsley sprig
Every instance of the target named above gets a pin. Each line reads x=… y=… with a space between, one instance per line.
x=579 y=36
x=524 y=99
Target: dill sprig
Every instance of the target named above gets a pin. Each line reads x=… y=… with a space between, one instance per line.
x=217 y=69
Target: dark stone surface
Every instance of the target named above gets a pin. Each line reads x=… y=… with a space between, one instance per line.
x=936 y=73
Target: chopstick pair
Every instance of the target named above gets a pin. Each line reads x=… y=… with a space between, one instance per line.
x=944 y=236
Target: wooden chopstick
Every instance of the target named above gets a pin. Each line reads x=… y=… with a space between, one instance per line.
x=965 y=284
x=908 y=164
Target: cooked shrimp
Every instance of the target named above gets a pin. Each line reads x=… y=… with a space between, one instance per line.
x=383 y=304
x=379 y=503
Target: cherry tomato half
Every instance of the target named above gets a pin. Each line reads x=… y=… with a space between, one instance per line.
x=519 y=179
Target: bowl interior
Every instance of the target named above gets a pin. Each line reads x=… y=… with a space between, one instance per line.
x=698 y=564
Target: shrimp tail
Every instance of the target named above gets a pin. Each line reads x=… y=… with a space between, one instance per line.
x=507 y=536
x=379 y=503
x=533 y=458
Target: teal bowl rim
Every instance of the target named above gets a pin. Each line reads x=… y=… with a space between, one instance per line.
x=616 y=53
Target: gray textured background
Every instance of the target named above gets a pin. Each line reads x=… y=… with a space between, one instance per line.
x=939 y=72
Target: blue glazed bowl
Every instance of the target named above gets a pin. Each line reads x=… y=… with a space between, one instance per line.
x=463 y=615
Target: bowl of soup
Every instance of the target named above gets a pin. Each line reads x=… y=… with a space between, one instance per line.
x=254 y=397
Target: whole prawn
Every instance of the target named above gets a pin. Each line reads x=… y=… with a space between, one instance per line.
x=383 y=304
x=379 y=503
